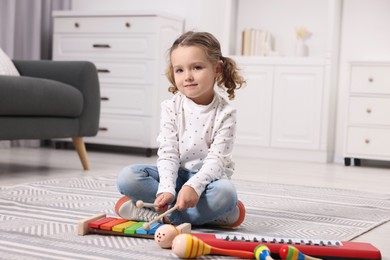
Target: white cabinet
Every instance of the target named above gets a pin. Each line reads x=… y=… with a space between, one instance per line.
x=253 y=103
x=297 y=107
x=367 y=134
x=129 y=51
x=282 y=109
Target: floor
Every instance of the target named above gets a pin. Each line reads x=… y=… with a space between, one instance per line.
x=21 y=165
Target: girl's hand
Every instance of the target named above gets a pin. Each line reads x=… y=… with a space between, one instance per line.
x=187 y=198
x=163 y=200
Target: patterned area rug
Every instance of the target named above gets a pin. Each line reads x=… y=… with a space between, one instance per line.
x=38 y=220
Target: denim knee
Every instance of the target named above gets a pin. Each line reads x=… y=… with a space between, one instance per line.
x=139 y=182
x=126 y=179
x=223 y=194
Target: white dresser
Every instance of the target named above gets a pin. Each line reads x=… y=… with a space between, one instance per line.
x=367 y=133
x=130 y=53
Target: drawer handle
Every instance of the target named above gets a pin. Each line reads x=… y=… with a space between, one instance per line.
x=368 y=110
x=77 y=25
x=106 y=46
x=128 y=25
x=103 y=129
x=370 y=79
x=103 y=70
x=104 y=99
x=367 y=141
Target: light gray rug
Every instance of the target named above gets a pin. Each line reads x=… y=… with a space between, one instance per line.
x=38 y=220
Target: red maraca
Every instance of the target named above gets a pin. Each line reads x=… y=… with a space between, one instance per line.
x=188 y=246
x=288 y=252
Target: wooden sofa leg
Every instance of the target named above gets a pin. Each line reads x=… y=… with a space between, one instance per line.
x=78 y=143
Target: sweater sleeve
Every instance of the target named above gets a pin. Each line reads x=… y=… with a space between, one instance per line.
x=168 y=152
x=218 y=160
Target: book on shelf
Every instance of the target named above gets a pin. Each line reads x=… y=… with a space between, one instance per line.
x=256 y=42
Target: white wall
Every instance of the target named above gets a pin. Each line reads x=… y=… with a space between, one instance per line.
x=282 y=22
x=365 y=35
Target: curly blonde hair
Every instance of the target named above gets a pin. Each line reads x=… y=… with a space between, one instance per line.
x=230 y=78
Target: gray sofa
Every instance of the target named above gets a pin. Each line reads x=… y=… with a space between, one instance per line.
x=51 y=99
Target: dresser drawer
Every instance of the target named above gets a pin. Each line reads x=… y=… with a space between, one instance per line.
x=107 y=24
x=370 y=79
x=102 y=46
x=124 y=131
x=129 y=101
x=363 y=110
x=133 y=72
x=368 y=142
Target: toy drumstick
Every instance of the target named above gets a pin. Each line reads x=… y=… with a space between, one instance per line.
x=262 y=252
x=146 y=226
x=141 y=204
x=166 y=233
x=292 y=253
x=188 y=246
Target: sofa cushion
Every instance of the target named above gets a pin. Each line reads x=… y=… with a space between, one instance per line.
x=7 y=67
x=27 y=96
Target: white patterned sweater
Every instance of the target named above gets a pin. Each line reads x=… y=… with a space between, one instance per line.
x=197 y=138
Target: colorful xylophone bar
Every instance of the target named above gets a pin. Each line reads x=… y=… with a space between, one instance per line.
x=100 y=224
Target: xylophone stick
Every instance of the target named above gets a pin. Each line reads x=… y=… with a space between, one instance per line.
x=288 y=252
x=146 y=226
x=141 y=204
x=188 y=246
x=262 y=252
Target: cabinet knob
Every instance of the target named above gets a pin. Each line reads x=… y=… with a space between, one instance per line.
x=368 y=110
x=103 y=129
x=104 y=99
x=370 y=79
x=367 y=141
x=128 y=25
x=77 y=25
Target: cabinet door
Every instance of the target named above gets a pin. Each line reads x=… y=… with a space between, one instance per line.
x=253 y=103
x=297 y=107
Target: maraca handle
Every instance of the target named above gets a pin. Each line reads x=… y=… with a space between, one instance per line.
x=230 y=252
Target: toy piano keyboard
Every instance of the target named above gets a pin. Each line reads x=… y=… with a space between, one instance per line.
x=329 y=250
x=103 y=225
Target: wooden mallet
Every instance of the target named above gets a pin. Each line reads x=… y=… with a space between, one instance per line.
x=141 y=204
x=146 y=226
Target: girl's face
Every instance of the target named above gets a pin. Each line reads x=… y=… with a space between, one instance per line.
x=194 y=74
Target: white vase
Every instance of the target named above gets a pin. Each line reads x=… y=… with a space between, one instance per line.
x=301 y=49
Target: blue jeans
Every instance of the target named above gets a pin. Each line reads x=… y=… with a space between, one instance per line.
x=140 y=182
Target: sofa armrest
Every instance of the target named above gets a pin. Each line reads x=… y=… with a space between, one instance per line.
x=79 y=74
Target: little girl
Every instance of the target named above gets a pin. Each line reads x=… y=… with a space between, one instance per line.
x=196 y=139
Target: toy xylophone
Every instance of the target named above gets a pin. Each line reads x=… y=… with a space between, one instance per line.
x=331 y=249
x=103 y=225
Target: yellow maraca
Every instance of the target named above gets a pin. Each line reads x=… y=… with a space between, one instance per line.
x=262 y=252
x=288 y=252
x=188 y=246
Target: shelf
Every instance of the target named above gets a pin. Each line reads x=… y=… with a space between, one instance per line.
x=288 y=60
